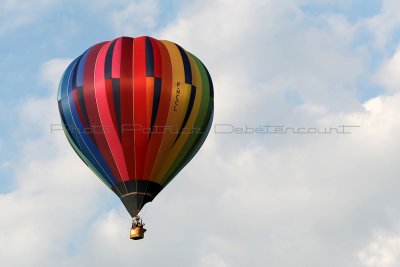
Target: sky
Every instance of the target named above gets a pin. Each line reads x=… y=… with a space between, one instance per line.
x=246 y=199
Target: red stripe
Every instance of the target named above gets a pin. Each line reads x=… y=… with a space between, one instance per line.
x=163 y=108
x=116 y=60
x=91 y=106
x=126 y=95
x=140 y=110
x=104 y=108
x=78 y=106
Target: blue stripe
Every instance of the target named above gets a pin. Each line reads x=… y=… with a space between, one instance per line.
x=186 y=65
x=81 y=68
x=86 y=145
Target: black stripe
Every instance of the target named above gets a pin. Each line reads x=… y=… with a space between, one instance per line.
x=188 y=111
x=149 y=58
x=117 y=102
x=108 y=62
x=186 y=65
x=156 y=102
x=209 y=82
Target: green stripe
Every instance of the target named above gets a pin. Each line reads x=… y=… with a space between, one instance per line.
x=203 y=121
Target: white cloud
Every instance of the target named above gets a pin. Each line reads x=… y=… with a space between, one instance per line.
x=52 y=70
x=53 y=197
x=15 y=14
x=382 y=251
x=245 y=200
x=388 y=74
x=136 y=18
x=212 y=260
x=264 y=48
x=385 y=24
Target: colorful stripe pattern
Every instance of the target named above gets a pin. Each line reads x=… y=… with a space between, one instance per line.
x=136 y=111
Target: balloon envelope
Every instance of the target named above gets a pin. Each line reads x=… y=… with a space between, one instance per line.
x=136 y=111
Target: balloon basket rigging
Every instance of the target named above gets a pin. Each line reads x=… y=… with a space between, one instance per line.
x=137 y=230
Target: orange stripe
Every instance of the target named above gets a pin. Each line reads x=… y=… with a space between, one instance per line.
x=175 y=112
x=163 y=109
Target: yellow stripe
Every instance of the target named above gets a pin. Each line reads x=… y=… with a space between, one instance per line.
x=177 y=109
x=186 y=137
x=149 y=98
x=183 y=138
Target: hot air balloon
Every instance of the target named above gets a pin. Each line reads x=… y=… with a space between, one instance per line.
x=136 y=111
